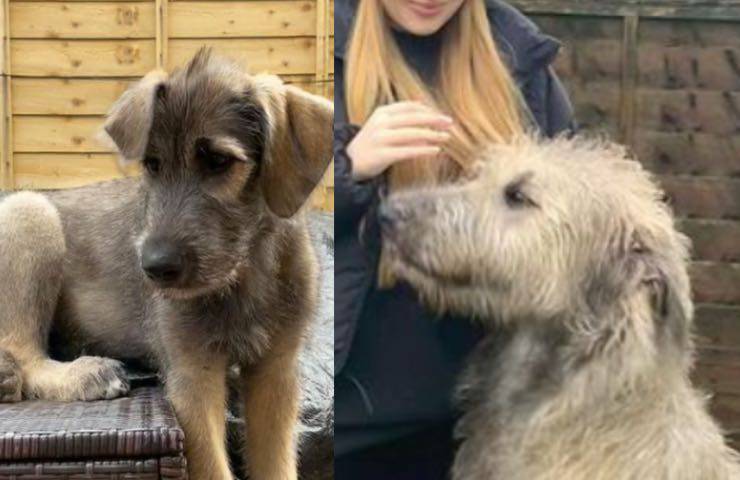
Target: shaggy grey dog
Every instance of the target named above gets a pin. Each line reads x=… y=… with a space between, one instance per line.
x=203 y=262
x=567 y=250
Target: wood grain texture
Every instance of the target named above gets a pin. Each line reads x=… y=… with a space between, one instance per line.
x=5 y=138
x=51 y=96
x=713 y=240
x=57 y=20
x=688 y=153
x=66 y=170
x=717 y=369
x=628 y=80
x=591 y=60
x=57 y=134
x=704 y=197
x=161 y=37
x=64 y=96
x=689 y=110
x=322 y=39
x=242 y=19
x=716 y=326
x=684 y=9
x=690 y=66
x=82 y=58
x=274 y=55
x=690 y=32
x=715 y=282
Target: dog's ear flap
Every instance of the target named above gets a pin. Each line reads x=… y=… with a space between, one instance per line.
x=671 y=310
x=636 y=266
x=130 y=119
x=298 y=152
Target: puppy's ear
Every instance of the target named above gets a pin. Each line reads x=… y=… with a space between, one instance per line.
x=130 y=119
x=299 y=149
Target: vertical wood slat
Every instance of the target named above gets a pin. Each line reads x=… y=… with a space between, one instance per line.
x=161 y=32
x=323 y=195
x=6 y=124
x=3 y=94
x=322 y=45
x=628 y=87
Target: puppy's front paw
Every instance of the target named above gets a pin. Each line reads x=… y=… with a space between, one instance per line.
x=97 y=378
x=10 y=379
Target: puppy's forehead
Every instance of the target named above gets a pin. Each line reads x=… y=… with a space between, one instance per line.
x=208 y=103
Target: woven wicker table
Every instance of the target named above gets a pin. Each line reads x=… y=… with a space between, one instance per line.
x=135 y=437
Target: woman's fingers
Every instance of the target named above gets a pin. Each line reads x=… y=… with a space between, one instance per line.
x=406 y=136
x=394 y=133
x=414 y=119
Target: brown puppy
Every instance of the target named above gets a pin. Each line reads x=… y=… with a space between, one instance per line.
x=201 y=263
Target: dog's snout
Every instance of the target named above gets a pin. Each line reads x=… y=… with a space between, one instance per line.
x=391 y=215
x=162 y=261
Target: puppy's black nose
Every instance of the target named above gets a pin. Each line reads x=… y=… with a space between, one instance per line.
x=162 y=261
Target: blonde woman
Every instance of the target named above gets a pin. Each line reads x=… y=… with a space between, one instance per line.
x=420 y=86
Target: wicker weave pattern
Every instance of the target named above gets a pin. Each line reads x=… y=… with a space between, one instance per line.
x=173 y=468
x=140 y=425
x=123 y=469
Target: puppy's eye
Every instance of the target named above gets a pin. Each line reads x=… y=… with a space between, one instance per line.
x=516 y=198
x=217 y=163
x=214 y=162
x=152 y=165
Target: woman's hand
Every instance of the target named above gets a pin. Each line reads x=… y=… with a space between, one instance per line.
x=396 y=132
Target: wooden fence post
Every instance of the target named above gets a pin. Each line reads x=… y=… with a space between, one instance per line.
x=323 y=195
x=322 y=46
x=6 y=118
x=161 y=32
x=628 y=87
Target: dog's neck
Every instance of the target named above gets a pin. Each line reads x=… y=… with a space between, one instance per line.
x=531 y=362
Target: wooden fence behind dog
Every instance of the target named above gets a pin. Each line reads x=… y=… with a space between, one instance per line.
x=65 y=62
x=664 y=77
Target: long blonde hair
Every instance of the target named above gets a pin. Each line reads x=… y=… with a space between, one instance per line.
x=474 y=88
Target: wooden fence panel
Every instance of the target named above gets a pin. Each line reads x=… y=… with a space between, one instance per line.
x=81 y=20
x=666 y=80
x=70 y=60
x=259 y=19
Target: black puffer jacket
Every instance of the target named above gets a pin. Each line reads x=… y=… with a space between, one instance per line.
x=395 y=364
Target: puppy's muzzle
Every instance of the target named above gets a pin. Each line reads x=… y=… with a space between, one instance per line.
x=163 y=261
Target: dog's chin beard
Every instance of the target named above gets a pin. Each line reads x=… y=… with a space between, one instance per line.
x=444 y=293
x=409 y=267
x=212 y=287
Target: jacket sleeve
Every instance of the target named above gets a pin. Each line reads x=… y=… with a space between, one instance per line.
x=351 y=198
x=355 y=255
x=559 y=110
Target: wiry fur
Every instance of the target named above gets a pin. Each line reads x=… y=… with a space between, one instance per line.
x=70 y=262
x=566 y=250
